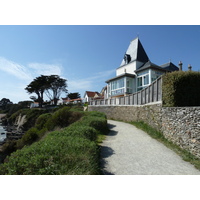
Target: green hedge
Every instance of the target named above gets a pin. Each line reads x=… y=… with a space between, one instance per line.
x=181 y=89
x=72 y=150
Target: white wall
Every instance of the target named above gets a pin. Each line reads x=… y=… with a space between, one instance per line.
x=129 y=68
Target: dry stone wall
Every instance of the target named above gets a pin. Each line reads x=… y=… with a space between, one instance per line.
x=181 y=125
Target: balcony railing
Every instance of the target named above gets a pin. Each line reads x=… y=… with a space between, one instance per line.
x=150 y=94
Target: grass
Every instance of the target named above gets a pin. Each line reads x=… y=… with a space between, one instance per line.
x=186 y=156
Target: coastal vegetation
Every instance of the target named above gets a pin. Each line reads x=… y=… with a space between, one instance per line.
x=63 y=141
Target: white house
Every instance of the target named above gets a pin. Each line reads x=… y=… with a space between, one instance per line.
x=135 y=72
x=88 y=96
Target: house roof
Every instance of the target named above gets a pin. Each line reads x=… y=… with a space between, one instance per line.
x=169 y=67
x=120 y=76
x=92 y=94
x=165 y=67
x=136 y=52
x=148 y=65
x=71 y=100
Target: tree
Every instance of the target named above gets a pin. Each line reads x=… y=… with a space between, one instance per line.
x=4 y=102
x=56 y=86
x=38 y=86
x=75 y=95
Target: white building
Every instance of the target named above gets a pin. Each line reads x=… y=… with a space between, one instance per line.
x=135 y=72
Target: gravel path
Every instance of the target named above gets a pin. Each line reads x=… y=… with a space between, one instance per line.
x=130 y=151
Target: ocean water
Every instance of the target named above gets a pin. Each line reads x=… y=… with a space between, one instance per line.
x=2 y=136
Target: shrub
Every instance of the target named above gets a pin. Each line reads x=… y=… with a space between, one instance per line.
x=28 y=138
x=72 y=150
x=62 y=118
x=42 y=120
x=77 y=130
x=99 y=123
x=181 y=89
x=54 y=155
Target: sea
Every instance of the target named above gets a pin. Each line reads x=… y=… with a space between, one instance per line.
x=2 y=134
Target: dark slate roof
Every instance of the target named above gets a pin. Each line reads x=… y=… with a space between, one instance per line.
x=120 y=76
x=136 y=52
x=169 y=67
x=165 y=67
x=148 y=65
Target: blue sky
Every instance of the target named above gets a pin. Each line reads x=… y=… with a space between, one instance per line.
x=86 y=56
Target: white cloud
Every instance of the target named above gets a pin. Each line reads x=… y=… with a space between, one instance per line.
x=46 y=69
x=15 y=69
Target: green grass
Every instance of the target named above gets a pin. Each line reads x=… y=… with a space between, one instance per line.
x=187 y=156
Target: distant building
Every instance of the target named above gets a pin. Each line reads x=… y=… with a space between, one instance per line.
x=135 y=72
x=34 y=105
x=88 y=96
x=68 y=101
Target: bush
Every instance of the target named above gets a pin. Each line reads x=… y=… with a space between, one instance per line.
x=72 y=150
x=62 y=118
x=77 y=130
x=28 y=138
x=181 y=89
x=99 y=123
x=42 y=120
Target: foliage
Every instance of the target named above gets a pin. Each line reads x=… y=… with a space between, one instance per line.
x=4 y=102
x=75 y=95
x=28 y=138
x=72 y=150
x=181 y=89
x=38 y=86
x=62 y=118
x=56 y=86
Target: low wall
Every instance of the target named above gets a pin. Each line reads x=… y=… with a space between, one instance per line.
x=181 y=125
x=151 y=114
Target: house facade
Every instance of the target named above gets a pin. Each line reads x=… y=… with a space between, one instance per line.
x=135 y=72
x=89 y=95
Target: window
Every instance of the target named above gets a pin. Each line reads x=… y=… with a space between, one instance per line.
x=155 y=74
x=139 y=83
x=117 y=86
x=146 y=79
x=143 y=80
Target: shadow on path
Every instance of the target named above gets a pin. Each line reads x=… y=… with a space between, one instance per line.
x=105 y=153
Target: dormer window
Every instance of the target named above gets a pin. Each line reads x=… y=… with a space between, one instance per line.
x=127 y=58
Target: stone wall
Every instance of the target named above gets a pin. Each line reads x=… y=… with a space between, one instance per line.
x=151 y=114
x=181 y=125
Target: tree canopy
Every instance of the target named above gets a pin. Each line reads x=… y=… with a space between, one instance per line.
x=56 y=86
x=75 y=95
x=51 y=85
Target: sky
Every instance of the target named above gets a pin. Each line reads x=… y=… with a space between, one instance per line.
x=86 y=55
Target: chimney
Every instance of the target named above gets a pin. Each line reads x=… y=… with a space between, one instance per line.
x=189 y=67
x=180 y=66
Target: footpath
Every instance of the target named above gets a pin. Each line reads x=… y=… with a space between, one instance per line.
x=128 y=150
